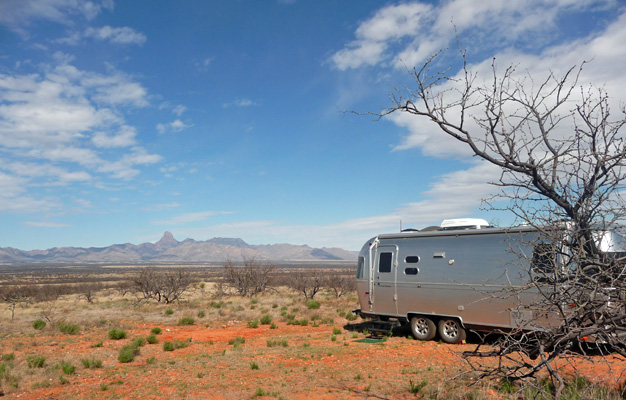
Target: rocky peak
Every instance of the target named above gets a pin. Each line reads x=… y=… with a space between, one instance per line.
x=167 y=240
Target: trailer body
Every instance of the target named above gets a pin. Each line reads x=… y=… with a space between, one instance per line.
x=449 y=280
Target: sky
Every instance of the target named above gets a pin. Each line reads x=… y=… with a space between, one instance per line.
x=120 y=120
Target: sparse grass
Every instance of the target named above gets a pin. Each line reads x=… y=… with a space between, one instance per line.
x=275 y=343
x=336 y=331
x=99 y=344
x=253 y=324
x=35 y=361
x=169 y=311
x=254 y=365
x=8 y=357
x=91 y=363
x=416 y=387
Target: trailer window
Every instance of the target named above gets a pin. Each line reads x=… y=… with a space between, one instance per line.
x=384 y=262
x=410 y=271
x=544 y=258
x=411 y=259
x=359 y=268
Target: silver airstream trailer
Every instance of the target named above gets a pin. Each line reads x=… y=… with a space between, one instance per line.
x=451 y=278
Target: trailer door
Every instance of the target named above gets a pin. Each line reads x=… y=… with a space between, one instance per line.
x=385 y=271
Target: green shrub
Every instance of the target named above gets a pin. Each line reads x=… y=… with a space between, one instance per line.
x=35 y=361
x=275 y=343
x=69 y=328
x=156 y=331
x=273 y=326
x=139 y=341
x=351 y=317
x=336 y=331
x=99 y=344
x=91 y=363
x=254 y=365
x=168 y=346
x=152 y=339
x=117 y=334
x=169 y=311
x=39 y=324
x=200 y=314
x=151 y=360
x=266 y=320
x=181 y=344
x=253 y=324
x=8 y=357
x=237 y=340
x=68 y=369
x=128 y=353
x=186 y=321
x=312 y=304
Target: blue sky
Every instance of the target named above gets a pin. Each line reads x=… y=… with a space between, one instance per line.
x=120 y=120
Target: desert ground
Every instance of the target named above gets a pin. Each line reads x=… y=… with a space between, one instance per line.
x=274 y=345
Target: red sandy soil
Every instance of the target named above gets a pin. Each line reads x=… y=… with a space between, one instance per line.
x=313 y=365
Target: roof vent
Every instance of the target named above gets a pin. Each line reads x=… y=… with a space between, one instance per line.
x=464 y=223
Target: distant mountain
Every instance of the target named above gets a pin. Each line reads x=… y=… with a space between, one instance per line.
x=168 y=249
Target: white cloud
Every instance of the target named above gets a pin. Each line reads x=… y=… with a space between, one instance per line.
x=123 y=138
x=18 y=14
x=409 y=33
x=240 y=103
x=123 y=35
x=174 y=126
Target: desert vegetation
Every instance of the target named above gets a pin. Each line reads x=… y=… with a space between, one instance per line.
x=278 y=343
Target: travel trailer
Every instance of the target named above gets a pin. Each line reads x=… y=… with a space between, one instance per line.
x=451 y=278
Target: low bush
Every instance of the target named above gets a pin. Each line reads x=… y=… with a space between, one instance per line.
x=152 y=339
x=117 y=334
x=69 y=328
x=91 y=363
x=253 y=324
x=276 y=343
x=156 y=331
x=39 y=324
x=68 y=369
x=266 y=320
x=128 y=353
x=169 y=311
x=336 y=331
x=312 y=304
x=186 y=321
x=139 y=341
x=168 y=346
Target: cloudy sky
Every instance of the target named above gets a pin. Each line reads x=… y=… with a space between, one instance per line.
x=121 y=120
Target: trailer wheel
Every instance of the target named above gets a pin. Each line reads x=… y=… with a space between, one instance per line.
x=451 y=331
x=423 y=328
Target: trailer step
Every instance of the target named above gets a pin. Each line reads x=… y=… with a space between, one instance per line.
x=384 y=327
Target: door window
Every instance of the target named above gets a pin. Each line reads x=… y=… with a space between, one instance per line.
x=384 y=262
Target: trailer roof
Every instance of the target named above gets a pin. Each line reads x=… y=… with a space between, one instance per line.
x=483 y=231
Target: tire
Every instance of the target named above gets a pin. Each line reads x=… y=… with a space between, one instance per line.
x=423 y=328
x=451 y=331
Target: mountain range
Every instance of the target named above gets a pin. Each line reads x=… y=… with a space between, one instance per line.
x=168 y=249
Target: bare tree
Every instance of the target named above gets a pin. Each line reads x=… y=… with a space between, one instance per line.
x=561 y=155
x=307 y=282
x=14 y=296
x=89 y=290
x=340 y=282
x=162 y=285
x=249 y=279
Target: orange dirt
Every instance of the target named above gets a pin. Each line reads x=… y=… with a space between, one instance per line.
x=311 y=365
